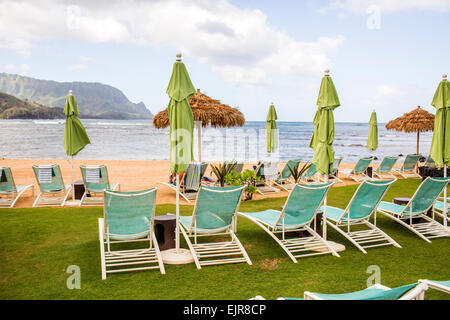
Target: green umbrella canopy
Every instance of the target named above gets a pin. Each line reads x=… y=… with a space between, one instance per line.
x=372 y=139
x=323 y=135
x=271 y=130
x=181 y=120
x=75 y=136
x=440 y=144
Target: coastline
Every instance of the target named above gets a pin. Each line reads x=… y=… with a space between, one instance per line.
x=132 y=175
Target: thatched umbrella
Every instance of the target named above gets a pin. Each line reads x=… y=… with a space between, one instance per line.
x=206 y=111
x=418 y=120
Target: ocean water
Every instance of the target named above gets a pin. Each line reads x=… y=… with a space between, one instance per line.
x=138 y=140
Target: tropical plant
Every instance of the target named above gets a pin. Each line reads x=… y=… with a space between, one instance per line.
x=247 y=178
x=222 y=170
x=299 y=171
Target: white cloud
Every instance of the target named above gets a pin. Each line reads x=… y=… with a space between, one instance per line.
x=86 y=59
x=9 y=67
x=23 y=69
x=390 y=6
x=77 y=67
x=237 y=43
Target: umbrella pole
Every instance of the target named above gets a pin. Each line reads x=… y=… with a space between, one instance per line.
x=73 y=185
x=177 y=231
x=445 y=199
x=199 y=134
x=324 y=215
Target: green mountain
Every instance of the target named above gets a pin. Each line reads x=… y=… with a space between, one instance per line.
x=95 y=100
x=14 y=108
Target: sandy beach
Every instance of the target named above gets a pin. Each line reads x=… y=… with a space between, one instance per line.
x=131 y=174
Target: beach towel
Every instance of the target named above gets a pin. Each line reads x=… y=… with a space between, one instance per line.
x=45 y=174
x=93 y=174
x=193 y=178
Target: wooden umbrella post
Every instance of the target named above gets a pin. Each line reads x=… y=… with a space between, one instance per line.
x=418 y=135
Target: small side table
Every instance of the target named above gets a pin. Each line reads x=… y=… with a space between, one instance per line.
x=79 y=189
x=165 y=231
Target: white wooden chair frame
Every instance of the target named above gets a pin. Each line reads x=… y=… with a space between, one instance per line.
x=294 y=247
x=269 y=177
x=118 y=258
x=363 y=239
x=8 y=199
x=436 y=286
x=425 y=230
x=440 y=212
x=53 y=198
x=210 y=250
x=416 y=293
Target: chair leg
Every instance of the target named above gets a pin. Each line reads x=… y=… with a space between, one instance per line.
x=158 y=254
x=244 y=252
x=101 y=236
x=191 y=248
x=37 y=199
x=404 y=224
x=356 y=244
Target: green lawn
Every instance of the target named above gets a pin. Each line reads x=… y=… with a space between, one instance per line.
x=37 y=246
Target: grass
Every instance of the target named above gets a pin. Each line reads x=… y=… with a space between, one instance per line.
x=38 y=245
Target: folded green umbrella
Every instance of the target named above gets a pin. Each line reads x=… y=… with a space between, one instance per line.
x=372 y=139
x=271 y=130
x=440 y=144
x=75 y=136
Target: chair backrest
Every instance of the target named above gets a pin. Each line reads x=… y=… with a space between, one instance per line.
x=193 y=175
x=362 y=165
x=216 y=207
x=7 y=184
x=425 y=196
x=49 y=178
x=372 y=293
x=410 y=162
x=286 y=173
x=269 y=169
x=129 y=213
x=239 y=165
x=366 y=198
x=387 y=164
x=336 y=163
x=302 y=204
x=203 y=169
x=430 y=162
x=312 y=170
x=95 y=178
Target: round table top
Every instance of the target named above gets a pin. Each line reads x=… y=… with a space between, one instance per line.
x=401 y=200
x=166 y=217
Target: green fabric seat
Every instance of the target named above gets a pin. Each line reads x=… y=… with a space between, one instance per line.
x=371 y=293
x=333 y=213
x=440 y=205
x=386 y=165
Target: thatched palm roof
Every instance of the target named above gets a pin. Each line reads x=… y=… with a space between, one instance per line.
x=418 y=120
x=207 y=110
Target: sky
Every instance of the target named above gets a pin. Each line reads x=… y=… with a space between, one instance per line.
x=383 y=55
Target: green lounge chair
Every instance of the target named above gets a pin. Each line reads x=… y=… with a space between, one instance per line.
x=358 y=212
x=283 y=178
x=443 y=286
x=310 y=174
x=384 y=169
x=96 y=181
x=358 y=172
x=429 y=162
x=269 y=171
x=128 y=217
x=422 y=200
x=239 y=165
x=297 y=214
x=415 y=291
x=439 y=208
x=190 y=182
x=214 y=215
x=52 y=190
x=333 y=176
x=9 y=191
x=408 y=168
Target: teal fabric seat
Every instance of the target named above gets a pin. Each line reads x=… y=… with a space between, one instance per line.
x=395 y=208
x=9 y=191
x=270 y=217
x=371 y=293
x=96 y=181
x=53 y=191
x=333 y=213
x=440 y=205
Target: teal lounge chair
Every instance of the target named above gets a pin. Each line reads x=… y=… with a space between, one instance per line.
x=283 y=178
x=358 y=212
x=439 y=208
x=239 y=165
x=422 y=200
x=268 y=170
x=309 y=175
x=297 y=214
x=9 y=191
x=52 y=190
x=408 y=168
x=333 y=176
x=443 y=286
x=429 y=162
x=384 y=169
x=96 y=181
x=214 y=215
x=190 y=182
x=358 y=172
x=415 y=291
x=128 y=217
